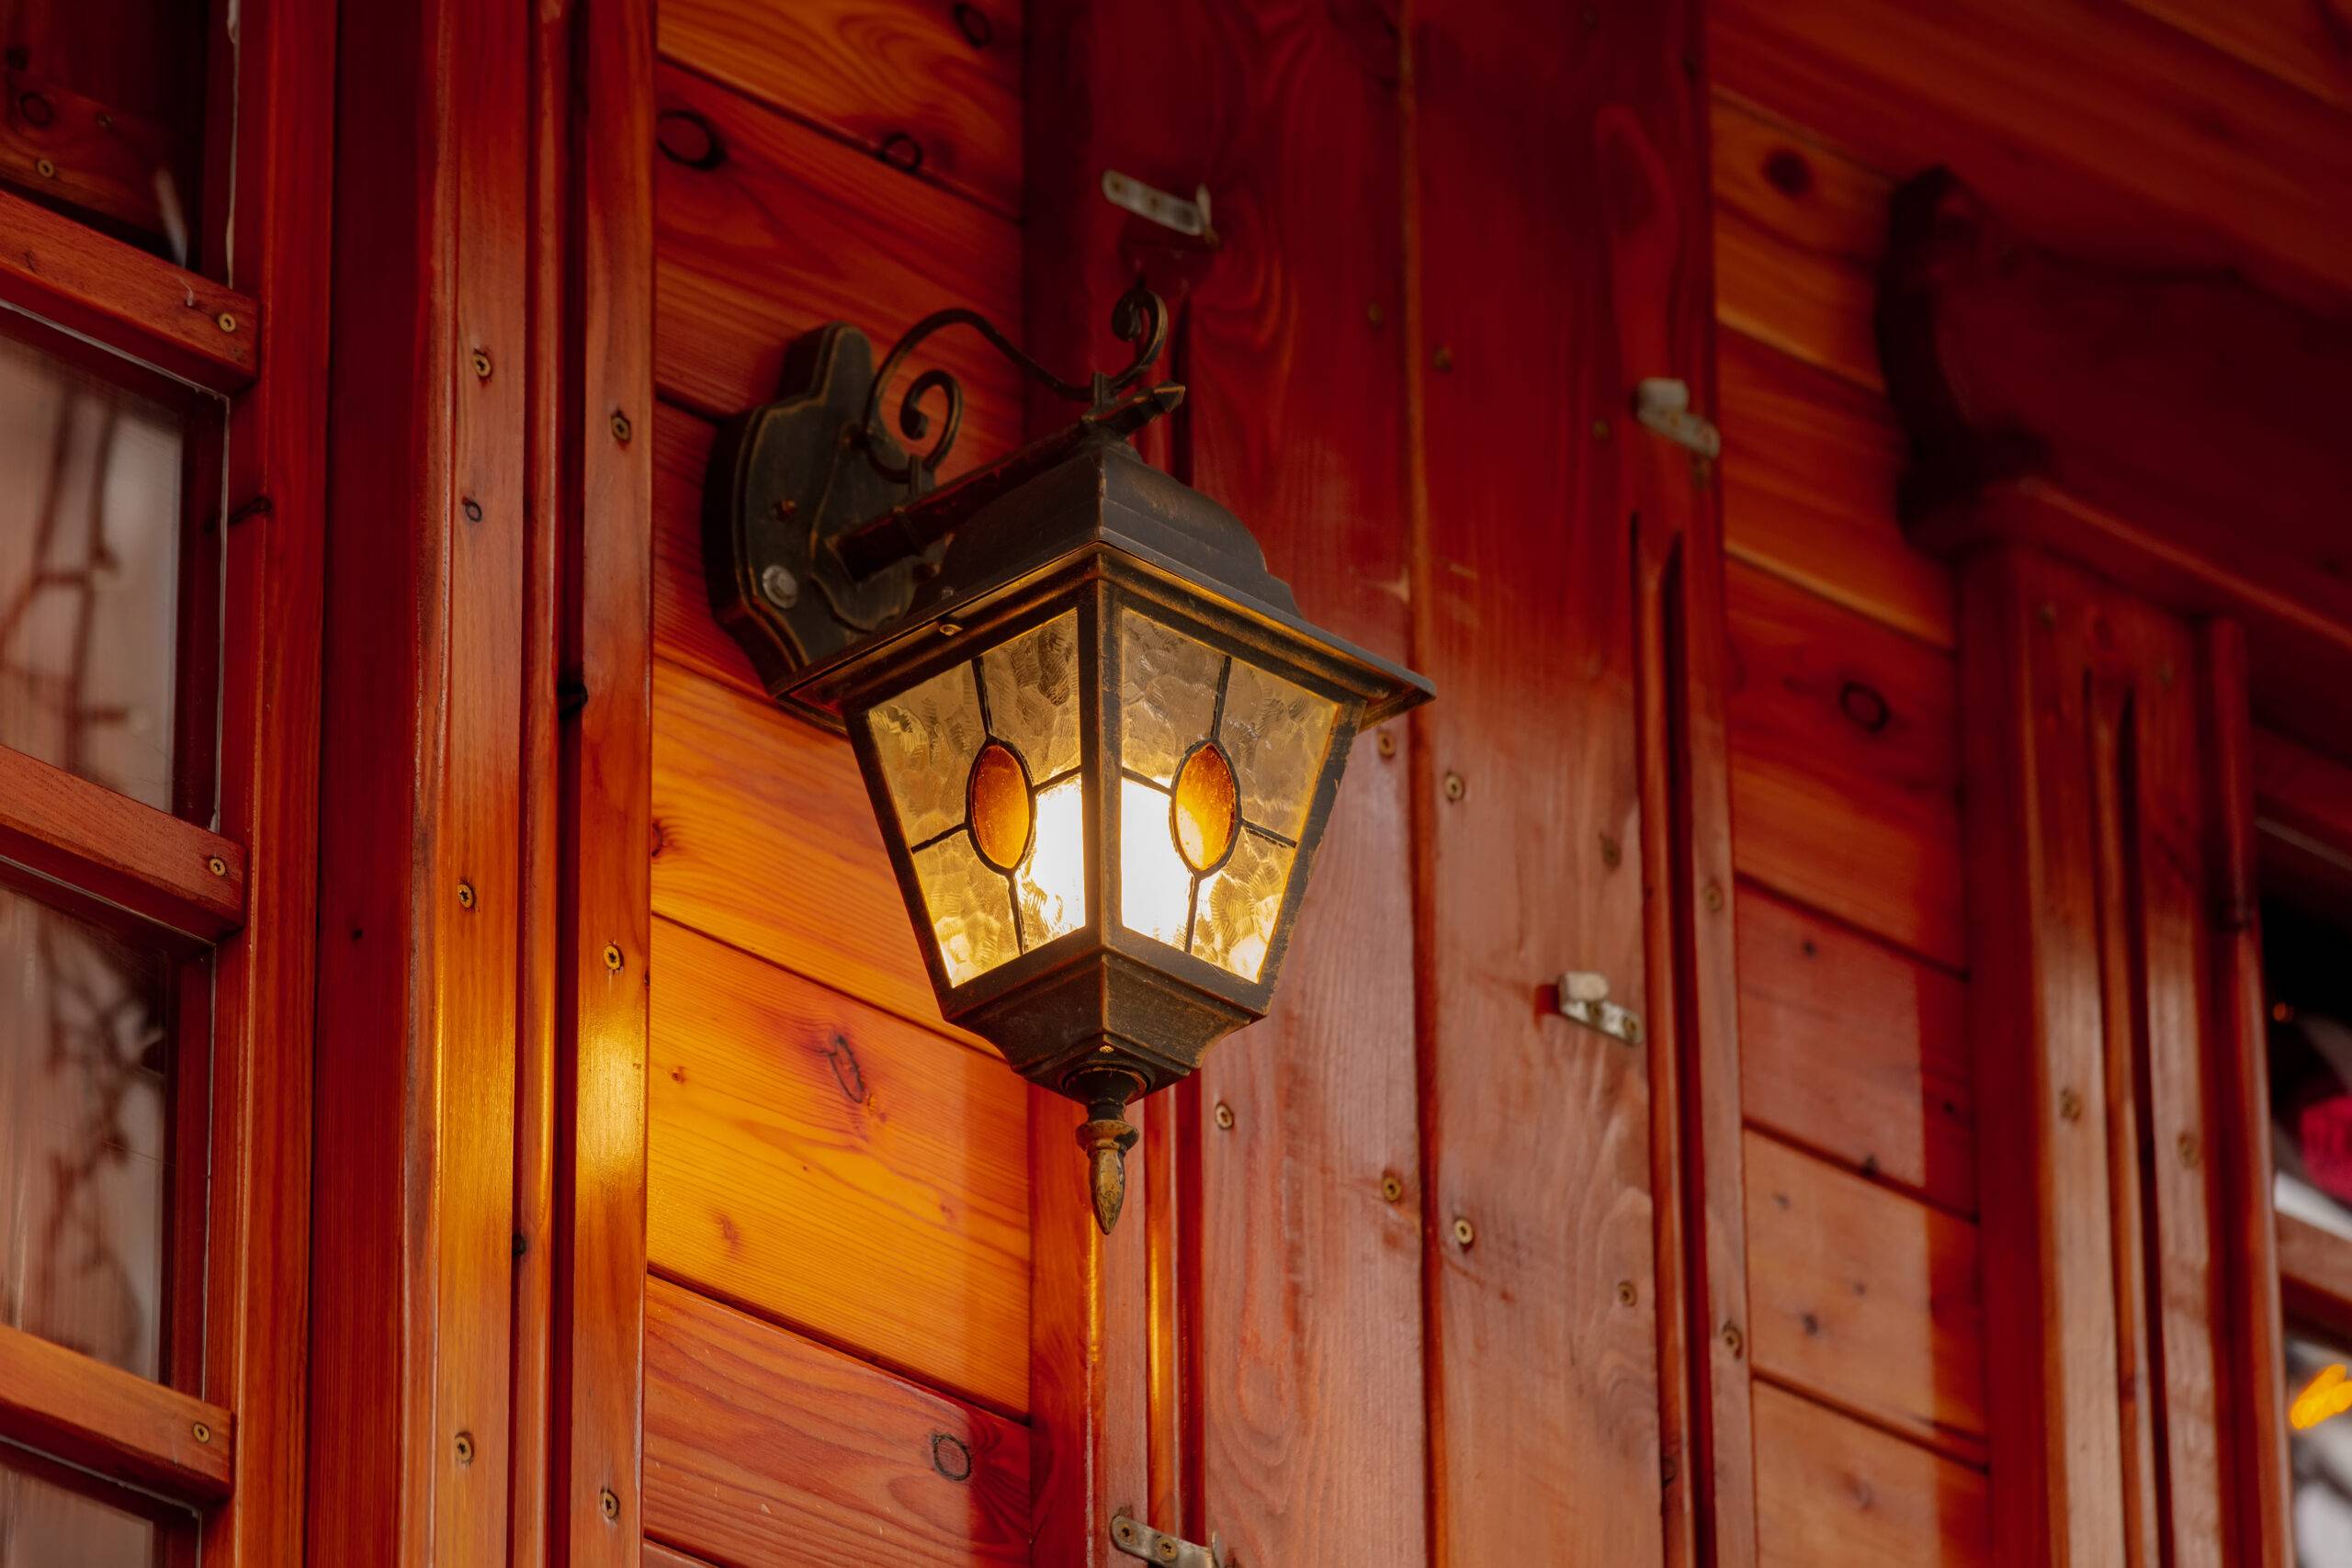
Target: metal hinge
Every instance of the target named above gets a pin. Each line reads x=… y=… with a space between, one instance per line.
x=1188 y=218
x=1663 y=405
x=1138 y=1539
x=1584 y=999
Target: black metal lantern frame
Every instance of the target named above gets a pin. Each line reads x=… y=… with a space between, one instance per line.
x=1068 y=627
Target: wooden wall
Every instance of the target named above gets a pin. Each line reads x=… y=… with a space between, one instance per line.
x=2155 y=133
x=837 y=1333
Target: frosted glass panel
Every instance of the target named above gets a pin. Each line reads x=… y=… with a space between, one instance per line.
x=1155 y=885
x=970 y=908
x=52 y=1517
x=1240 y=906
x=90 y=522
x=1277 y=734
x=1168 y=685
x=1032 y=695
x=1052 y=883
x=925 y=739
x=85 y=1050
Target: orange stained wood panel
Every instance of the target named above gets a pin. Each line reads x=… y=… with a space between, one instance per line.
x=1865 y=1297
x=1845 y=766
x=1799 y=229
x=684 y=630
x=1857 y=1050
x=1833 y=1493
x=762 y=1447
x=660 y=1556
x=792 y=230
x=933 y=86
x=2100 y=128
x=834 y=1167
x=2307 y=43
x=765 y=837
x=1809 y=470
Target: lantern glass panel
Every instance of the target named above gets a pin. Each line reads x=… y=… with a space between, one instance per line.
x=981 y=762
x=1188 y=708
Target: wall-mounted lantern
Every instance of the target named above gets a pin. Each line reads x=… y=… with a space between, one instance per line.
x=1101 y=741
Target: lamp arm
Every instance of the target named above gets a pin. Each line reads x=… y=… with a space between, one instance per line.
x=1140 y=317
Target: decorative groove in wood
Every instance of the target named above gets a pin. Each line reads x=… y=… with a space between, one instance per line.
x=1833 y=1493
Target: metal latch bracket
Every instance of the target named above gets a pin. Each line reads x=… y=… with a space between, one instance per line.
x=1663 y=403
x=1187 y=217
x=1135 y=1539
x=1584 y=999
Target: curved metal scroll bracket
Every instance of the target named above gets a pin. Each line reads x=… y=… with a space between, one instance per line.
x=1140 y=318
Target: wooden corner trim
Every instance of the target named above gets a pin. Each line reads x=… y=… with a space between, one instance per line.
x=112 y=1421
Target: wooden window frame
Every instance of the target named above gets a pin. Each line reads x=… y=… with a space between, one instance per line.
x=225 y=1435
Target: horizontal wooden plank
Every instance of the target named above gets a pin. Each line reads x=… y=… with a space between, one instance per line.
x=1845 y=765
x=792 y=230
x=117 y=293
x=2316 y=1274
x=836 y=1167
x=1832 y=1493
x=2100 y=129
x=2298 y=791
x=933 y=86
x=684 y=629
x=115 y=849
x=2305 y=42
x=762 y=1447
x=660 y=1556
x=765 y=839
x=1799 y=229
x=1866 y=1297
x=1856 y=1049
x=113 y=1422
x=1809 y=472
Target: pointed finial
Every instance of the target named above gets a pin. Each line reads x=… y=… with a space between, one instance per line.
x=1106 y=1138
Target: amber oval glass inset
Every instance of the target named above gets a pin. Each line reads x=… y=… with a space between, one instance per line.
x=1206 y=811
x=1001 y=814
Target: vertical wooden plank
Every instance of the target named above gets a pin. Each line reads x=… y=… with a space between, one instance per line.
x=424 y=745
x=259 y=1194
x=605 y=695
x=1543 y=1332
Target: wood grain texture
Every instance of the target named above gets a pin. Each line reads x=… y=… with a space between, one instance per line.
x=1799 y=229
x=2307 y=43
x=145 y=861
x=1866 y=1297
x=56 y=269
x=1297 y=1282
x=685 y=631
x=833 y=1166
x=2099 y=126
x=1544 y=1341
x=739 y=785
x=1845 y=766
x=1855 y=1050
x=113 y=1422
x=1809 y=468
x=760 y=1447
x=1832 y=1493
x=933 y=86
x=794 y=230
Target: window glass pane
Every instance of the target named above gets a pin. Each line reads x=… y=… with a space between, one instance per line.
x=1032 y=695
x=51 y=1515
x=2307 y=965
x=970 y=906
x=1240 y=906
x=90 y=529
x=2318 y=1449
x=104 y=113
x=1277 y=734
x=1168 y=685
x=85 y=1180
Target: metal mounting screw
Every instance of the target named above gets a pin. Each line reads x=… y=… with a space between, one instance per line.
x=1625 y=1292
x=226 y=321
x=1455 y=788
x=217 y=866
x=612 y=957
x=610 y=1503
x=47 y=170
x=1387 y=743
x=781 y=589
x=1391 y=1189
x=621 y=428
x=950 y=628
x=1613 y=853
x=1712 y=897
x=2187 y=1144
x=465 y=895
x=482 y=365
x=1444 y=358
x=465 y=1448
x=1464 y=1233
x=1225 y=1116
x=1733 y=1340
x=2070 y=1105
x=202 y=1433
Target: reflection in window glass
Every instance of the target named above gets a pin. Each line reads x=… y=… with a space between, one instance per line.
x=51 y=1515
x=2307 y=965
x=86 y=1049
x=89 y=562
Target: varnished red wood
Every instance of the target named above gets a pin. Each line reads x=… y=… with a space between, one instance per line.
x=604 y=693
x=2315 y=1273
x=191 y=326
x=1833 y=1493
x=148 y=861
x=113 y=1422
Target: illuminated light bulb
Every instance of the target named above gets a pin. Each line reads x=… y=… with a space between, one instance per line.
x=1155 y=885
x=1053 y=880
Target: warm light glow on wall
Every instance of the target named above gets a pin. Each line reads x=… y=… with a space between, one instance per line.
x=2329 y=1395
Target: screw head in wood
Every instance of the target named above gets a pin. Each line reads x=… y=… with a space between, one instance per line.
x=610 y=1503
x=1613 y=853
x=465 y=1448
x=1626 y=1294
x=780 y=587
x=1224 y=1115
x=217 y=866
x=2188 y=1147
x=1387 y=744
x=226 y=320
x=621 y=428
x=482 y=365
x=46 y=169
x=201 y=1432
x=1712 y=897
x=1391 y=1189
x=613 y=956
x=1455 y=788
x=1444 y=358
x=465 y=895
x=1733 y=1340
x=1464 y=1233
x=2070 y=1105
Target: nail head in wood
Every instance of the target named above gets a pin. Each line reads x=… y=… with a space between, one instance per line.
x=610 y=1503
x=465 y=895
x=1464 y=1233
x=613 y=957
x=217 y=866
x=1224 y=1115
